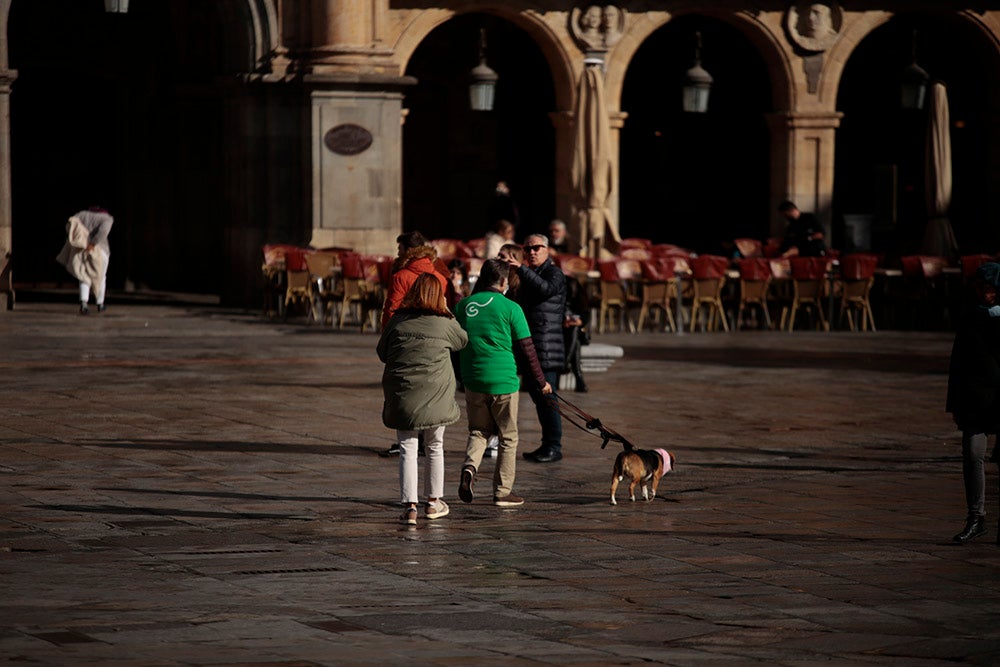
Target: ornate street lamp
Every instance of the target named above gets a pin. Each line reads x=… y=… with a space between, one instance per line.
x=484 y=80
x=697 y=83
x=116 y=6
x=914 y=80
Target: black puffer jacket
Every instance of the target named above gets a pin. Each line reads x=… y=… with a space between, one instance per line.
x=542 y=296
x=974 y=375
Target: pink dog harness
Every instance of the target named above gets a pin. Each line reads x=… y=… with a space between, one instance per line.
x=665 y=455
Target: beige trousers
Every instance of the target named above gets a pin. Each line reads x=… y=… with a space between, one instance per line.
x=493 y=414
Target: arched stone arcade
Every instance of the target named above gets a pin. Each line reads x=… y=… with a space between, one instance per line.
x=237 y=158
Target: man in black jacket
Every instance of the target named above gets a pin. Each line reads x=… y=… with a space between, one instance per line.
x=542 y=296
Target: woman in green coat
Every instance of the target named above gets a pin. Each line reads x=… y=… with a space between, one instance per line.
x=419 y=388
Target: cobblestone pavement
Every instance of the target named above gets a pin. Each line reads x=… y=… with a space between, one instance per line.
x=197 y=486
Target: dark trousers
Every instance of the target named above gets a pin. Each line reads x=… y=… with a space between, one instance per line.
x=548 y=414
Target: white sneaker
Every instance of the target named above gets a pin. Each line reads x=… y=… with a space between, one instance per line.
x=437 y=510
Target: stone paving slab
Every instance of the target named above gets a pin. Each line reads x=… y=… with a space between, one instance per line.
x=197 y=486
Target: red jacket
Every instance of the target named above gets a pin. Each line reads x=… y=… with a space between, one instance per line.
x=419 y=260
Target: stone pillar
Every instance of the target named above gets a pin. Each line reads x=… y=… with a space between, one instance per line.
x=802 y=146
x=7 y=77
x=357 y=161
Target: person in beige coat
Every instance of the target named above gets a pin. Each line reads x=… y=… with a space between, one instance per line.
x=86 y=254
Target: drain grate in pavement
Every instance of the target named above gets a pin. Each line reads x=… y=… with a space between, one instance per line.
x=296 y=570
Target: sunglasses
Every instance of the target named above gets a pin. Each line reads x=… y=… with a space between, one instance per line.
x=534 y=248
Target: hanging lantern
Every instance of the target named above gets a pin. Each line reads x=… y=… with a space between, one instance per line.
x=913 y=83
x=697 y=83
x=482 y=88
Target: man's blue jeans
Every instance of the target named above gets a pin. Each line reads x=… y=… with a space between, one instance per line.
x=548 y=413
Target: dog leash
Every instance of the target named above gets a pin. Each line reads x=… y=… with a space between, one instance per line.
x=592 y=423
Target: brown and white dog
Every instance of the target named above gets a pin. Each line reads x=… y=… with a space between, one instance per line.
x=644 y=466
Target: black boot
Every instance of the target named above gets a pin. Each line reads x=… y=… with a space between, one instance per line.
x=974 y=527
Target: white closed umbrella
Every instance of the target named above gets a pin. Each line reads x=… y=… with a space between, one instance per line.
x=593 y=167
x=939 y=237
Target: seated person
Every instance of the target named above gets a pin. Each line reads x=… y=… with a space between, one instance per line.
x=560 y=242
x=804 y=235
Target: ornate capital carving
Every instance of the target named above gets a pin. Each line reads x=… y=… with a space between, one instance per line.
x=597 y=27
x=814 y=26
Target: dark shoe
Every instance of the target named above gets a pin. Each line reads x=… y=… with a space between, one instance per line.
x=409 y=517
x=544 y=455
x=101 y=307
x=510 y=500
x=581 y=387
x=465 y=486
x=531 y=455
x=84 y=310
x=392 y=451
x=974 y=527
x=420 y=450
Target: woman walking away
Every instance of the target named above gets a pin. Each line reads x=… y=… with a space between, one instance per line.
x=419 y=388
x=974 y=392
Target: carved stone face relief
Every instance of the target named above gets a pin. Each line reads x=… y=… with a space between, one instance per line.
x=814 y=26
x=597 y=27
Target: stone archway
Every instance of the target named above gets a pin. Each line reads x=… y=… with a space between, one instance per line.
x=147 y=135
x=453 y=156
x=696 y=180
x=880 y=146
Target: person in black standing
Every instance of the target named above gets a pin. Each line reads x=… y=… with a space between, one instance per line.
x=542 y=296
x=974 y=392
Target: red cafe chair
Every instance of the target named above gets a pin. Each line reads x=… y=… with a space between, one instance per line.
x=857 y=275
x=755 y=285
x=708 y=277
x=809 y=276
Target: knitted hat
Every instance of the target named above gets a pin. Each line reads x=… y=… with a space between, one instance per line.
x=989 y=273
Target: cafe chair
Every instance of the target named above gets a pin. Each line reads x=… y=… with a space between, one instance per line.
x=857 y=275
x=664 y=249
x=755 y=287
x=615 y=292
x=809 y=276
x=924 y=289
x=448 y=249
x=327 y=291
x=273 y=272
x=477 y=247
x=358 y=294
x=575 y=265
x=298 y=282
x=971 y=263
x=638 y=254
x=658 y=288
x=644 y=244
x=708 y=277
x=749 y=248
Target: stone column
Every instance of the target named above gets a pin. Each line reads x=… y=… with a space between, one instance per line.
x=357 y=161
x=802 y=146
x=7 y=77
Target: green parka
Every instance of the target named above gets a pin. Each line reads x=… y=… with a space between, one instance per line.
x=419 y=381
